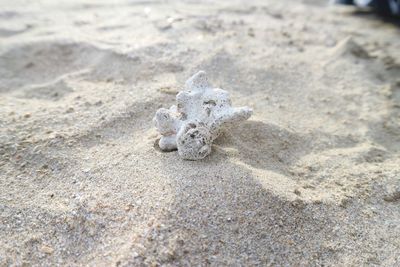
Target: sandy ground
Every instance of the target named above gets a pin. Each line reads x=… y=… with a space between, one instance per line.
x=312 y=179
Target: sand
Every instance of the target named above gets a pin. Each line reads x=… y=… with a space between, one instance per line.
x=312 y=179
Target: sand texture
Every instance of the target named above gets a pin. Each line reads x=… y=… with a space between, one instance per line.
x=312 y=179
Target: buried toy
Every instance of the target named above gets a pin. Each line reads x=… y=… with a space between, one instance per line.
x=202 y=112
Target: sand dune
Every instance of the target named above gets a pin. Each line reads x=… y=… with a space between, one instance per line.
x=312 y=179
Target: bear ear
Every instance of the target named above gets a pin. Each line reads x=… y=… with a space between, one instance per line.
x=197 y=82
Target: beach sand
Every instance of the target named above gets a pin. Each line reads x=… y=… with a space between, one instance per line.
x=312 y=179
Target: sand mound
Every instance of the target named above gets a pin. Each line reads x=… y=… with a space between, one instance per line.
x=348 y=47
